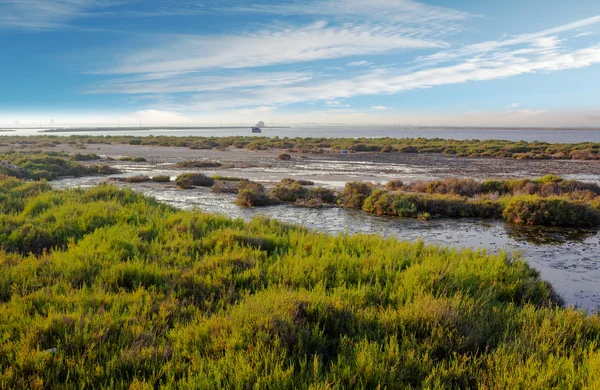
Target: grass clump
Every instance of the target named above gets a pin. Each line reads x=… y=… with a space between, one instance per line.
x=293 y=191
x=49 y=166
x=132 y=159
x=251 y=194
x=85 y=157
x=284 y=156
x=198 y=164
x=128 y=293
x=355 y=194
x=137 y=179
x=551 y=211
x=196 y=179
x=161 y=178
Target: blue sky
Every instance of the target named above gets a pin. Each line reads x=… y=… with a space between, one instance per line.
x=476 y=63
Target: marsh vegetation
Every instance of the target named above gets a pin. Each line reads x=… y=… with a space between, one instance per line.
x=460 y=148
x=106 y=288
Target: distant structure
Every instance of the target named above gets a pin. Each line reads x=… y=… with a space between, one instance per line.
x=256 y=128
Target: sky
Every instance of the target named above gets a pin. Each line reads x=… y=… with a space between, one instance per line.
x=402 y=62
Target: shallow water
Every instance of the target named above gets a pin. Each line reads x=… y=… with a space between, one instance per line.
x=561 y=136
x=567 y=258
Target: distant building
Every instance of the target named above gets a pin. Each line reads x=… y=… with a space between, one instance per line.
x=260 y=124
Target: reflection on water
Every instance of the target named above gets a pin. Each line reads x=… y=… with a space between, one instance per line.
x=549 y=235
x=568 y=258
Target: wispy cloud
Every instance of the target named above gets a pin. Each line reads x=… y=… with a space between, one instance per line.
x=406 y=11
x=180 y=83
x=392 y=81
x=359 y=63
x=45 y=14
x=545 y=38
x=237 y=71
x=187 y=53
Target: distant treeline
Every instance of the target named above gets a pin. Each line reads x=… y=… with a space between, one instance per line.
x=461 y=148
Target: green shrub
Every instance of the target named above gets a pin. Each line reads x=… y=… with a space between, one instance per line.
x=161 y=178
x=132 y=159
x=85 y=157
x=550 y=212
x=394 y=185
x=137 y=179
x=198 y=164
x=197 y=179
x=288 y=193
x=355 y=193
x=184 y=183
x=251 y=194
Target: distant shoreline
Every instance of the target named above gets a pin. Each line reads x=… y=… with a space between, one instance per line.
x=95 y=129
x=409 y=128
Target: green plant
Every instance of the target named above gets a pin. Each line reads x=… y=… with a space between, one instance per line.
x=197 y=179
x=161 y=178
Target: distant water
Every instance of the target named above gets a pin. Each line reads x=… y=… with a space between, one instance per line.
x=559 y=136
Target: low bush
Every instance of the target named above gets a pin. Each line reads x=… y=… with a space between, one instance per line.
x=394 y=185
x=550 y=212
x=161 y=179
x=184 y=183
x=198 y=164
x=132 y=159
x=284 y=156
x=225 y=187
x=355 y=193
x=197 y=179
x=251 y=194
x=85 y=157
x=137 y=179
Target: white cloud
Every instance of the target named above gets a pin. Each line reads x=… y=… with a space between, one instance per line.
x=333 y=103
x=187 y=53
x=44 y=14
x=379 y=108
x=391 y=81
x=359 y=63
x=542 y=39
x=178 y=83
x=391 y=10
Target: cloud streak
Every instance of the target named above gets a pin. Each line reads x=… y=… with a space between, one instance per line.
x=317 y=41
x=44 y=14
x=530 y=53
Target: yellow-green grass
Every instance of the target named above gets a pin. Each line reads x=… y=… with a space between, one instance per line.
x=129 y=292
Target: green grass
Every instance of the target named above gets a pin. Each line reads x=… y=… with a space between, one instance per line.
x=50 y=166
x=161 y=178
x=461 y=148
x=198 y=164
x=195 y=179
x=135 y=294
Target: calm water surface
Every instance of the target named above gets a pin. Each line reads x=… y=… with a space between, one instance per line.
x=561 y=136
